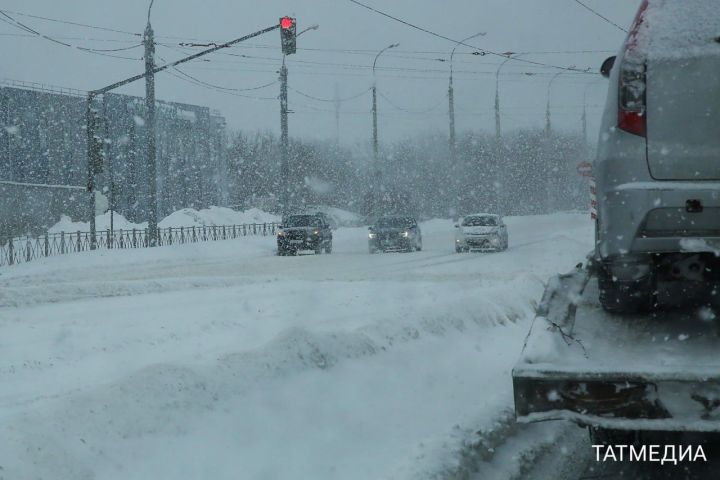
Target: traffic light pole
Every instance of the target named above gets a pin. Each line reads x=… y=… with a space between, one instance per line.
x=284 y=153
x=150 y=134
x=94 y=155
x=92 y=162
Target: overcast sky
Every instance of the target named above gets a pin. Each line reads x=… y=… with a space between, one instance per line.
x=412 y=78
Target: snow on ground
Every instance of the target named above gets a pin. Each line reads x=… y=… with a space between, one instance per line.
x=222 y=360
x=187 y=217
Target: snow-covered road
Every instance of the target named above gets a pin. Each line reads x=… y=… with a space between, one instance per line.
x=222 y=360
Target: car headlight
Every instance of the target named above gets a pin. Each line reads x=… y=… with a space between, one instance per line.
x=372 y=235
x=405 y=234
x=316 y=232
x=280 y=233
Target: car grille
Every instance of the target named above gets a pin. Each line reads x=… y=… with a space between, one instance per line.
x=478 y=242
x=295 y=235
x=389 y=237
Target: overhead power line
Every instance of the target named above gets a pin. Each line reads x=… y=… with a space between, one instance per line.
x=601 y=16
x=481 y=50
x=330 y=100
x=407 y=110
x=77 y=24
x=220 y=88
x=19 y=25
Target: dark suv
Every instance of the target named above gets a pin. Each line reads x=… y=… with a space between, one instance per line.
x=395 y=233
x=304 y=232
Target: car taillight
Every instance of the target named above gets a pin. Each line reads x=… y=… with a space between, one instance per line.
x=632 y=113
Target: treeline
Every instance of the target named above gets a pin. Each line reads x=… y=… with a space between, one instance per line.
x=526 y=173
x=42 y=141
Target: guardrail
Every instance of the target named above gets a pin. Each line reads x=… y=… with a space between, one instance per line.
x=25 y=249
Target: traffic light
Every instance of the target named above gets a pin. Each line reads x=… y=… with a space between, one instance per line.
x=288 y=34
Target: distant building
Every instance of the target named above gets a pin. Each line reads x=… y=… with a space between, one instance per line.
x=43 y=141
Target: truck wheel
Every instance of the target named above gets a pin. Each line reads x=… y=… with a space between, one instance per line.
x=459 y=249
x=634 y=296
x=328 y=248
x=318 y=249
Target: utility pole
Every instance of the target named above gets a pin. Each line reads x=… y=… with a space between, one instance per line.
x=111 y=173
x=284 y=160
x=94 y=161
x=376 y=158
x=584 y=124
x=150 y=133
x=451 y=112
x=94 y=153
x=548 y=124
x=376 y=153
x=337 y=115
x=451 y=99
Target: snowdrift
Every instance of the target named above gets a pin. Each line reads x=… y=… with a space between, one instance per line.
x=187 y=217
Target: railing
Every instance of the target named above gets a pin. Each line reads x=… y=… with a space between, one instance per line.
x=26 y=249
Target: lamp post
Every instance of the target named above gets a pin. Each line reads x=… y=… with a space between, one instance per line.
x=451 y=95
x=498 y=129
x=376 y=156
x=548 y=124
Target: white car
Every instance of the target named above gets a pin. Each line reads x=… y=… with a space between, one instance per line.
x=481 y=231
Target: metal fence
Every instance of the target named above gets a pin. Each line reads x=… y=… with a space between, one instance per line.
x=26 y=249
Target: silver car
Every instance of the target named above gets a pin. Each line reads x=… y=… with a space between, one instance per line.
x=657 y=169
x=481 y=231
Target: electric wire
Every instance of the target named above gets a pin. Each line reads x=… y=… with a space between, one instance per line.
x=407 y=110
x=481 y=50
x=330 y=100
x=218 y=88
x=77 y=24
x=19 y=25
x=601 y=16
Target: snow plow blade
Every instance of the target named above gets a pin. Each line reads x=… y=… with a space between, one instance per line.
x=658 y=371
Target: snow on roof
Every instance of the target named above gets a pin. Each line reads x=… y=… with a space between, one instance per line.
x=482 y=215
x=674 y=29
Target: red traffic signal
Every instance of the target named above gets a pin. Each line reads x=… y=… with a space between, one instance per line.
x=288 y=33
x=286 y=23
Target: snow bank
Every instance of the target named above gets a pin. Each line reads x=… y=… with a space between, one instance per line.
x=102 y=222
x=187 y=217
x=214 y=361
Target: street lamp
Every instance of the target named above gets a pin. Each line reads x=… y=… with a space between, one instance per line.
x=584 y=112
x=374 y=108
x=376 y=157
x=313 y=27
x=498 y=130
x=548 y=125
x=451 y=95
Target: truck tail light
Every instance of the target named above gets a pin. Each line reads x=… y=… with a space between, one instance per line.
x=632 y=112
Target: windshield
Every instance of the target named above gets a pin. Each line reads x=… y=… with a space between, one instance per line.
x=395 y=222
x=357 y=239
x=485 y=221
x=301 y=221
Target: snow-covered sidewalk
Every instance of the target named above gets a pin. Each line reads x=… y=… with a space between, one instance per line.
x=222 y=360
